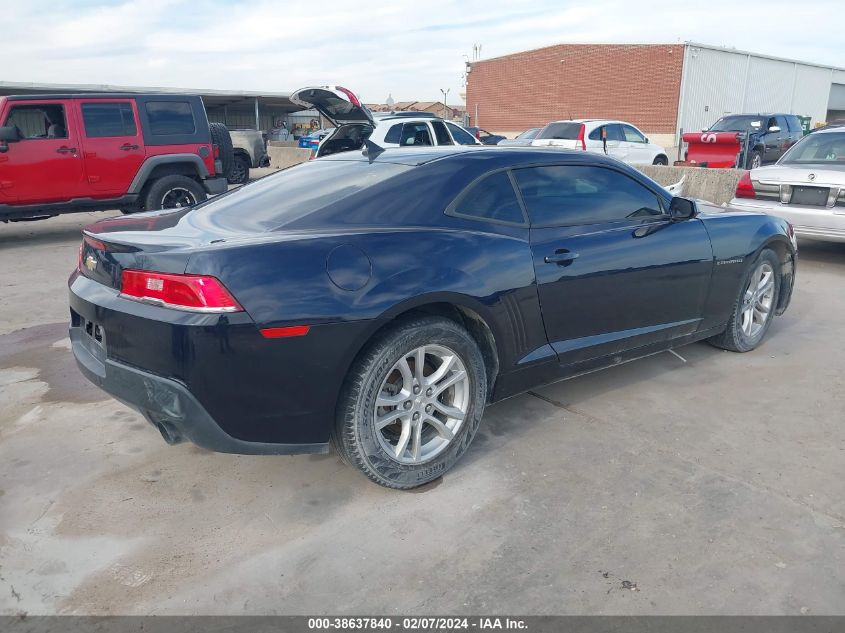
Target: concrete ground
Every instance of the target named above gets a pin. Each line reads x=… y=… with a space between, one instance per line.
x=657 y=487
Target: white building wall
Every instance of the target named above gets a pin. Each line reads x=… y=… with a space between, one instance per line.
x=720 y=81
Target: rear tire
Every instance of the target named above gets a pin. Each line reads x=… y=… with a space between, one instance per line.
x=754 y=307
x=220 y=136
x=660 y=160
x=173 y=192
x=240 y=171
x=402 y=427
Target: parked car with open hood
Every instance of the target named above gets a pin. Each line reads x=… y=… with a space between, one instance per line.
x=355 y=124
x=379 y=300
x=614 y=138
x=806 y=186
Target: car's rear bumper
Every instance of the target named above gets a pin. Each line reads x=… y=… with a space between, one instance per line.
x=213 y=378
x=821 y=223
x=167 y=404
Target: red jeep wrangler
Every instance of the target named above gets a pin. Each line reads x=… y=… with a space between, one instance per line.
x=133 y=152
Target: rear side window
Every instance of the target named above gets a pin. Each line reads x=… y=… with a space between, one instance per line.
x=565 y=131
x=108 y=119
x=415 y=134
x=441 y=134
x=394 y=134
x=462 y=137
x=561 y=195
x=170 y=117
x=492 y=198
x=794 y=124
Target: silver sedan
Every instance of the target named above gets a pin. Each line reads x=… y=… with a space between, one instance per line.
x=806 y=187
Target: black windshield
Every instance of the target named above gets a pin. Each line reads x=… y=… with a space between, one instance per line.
x=826 y=148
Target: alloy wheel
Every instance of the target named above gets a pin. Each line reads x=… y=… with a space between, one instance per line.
x=177 y=198
x=422 y=403
x=757 y=300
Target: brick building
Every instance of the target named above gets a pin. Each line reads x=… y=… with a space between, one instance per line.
x=660 y=88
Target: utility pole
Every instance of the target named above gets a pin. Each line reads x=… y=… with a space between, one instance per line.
x=445 y=108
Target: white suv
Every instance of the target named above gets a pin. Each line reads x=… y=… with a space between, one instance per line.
x=354 y=123
x=614 y=138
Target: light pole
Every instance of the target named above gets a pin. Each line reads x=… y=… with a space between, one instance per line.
x=445 y=92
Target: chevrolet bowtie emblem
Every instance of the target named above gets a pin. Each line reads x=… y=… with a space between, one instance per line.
x=90 y=263
x=811 y=177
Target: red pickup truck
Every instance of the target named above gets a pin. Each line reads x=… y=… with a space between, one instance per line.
x=134 y=152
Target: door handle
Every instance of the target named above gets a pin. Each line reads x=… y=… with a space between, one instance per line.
x=128 y=146
x=64 y=149
x=562 y=257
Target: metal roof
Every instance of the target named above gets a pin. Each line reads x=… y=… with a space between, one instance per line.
x=211 y=97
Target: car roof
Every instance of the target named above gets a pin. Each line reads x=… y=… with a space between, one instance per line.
x=100 y=95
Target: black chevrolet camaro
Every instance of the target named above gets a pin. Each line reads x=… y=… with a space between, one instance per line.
x=377 y=300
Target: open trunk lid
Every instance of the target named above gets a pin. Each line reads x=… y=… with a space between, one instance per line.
x=339 y=105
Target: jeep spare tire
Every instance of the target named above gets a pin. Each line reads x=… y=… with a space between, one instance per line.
x=221 y=138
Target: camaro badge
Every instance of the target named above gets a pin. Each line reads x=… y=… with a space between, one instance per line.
x=90 y=263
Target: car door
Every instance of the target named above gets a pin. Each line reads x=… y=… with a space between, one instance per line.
x=112 y=144
x=612 y=142
x=461 y=136
x=46 y=164
x=637 y=148
x=415 y=134
x=772 y=141
x=614 y=271
x=441 y=134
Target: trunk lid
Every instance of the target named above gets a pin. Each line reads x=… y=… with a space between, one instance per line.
x=339 y=105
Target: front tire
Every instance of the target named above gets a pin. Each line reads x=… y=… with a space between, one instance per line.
x=755 y=160
x=173 y=192
x=660 y=160
x=412 y=403
x=755 y=306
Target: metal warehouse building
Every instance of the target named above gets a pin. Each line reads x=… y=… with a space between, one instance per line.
x=661 y=88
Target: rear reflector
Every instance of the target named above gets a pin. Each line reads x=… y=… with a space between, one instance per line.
x=285 y=332
x=194 y=293
x=745 y=188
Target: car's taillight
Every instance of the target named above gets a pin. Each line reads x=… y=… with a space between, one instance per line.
x=581 y=137
x=215 y=149
x=195 y=293
x=745 y=188
x=350 y=95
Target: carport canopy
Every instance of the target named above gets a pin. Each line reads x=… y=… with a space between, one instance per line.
x=237 y=109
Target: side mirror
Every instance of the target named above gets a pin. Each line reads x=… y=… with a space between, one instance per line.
x=10 y=134
x=774 y=128
x=646 y=139
x=682 y=208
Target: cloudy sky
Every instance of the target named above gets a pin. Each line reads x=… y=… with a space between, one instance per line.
x=408 y=49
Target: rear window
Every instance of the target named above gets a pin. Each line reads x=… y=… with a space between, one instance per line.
x=564 y=131
x=819 y=147
x=291 y=194
x=108 y=119
x=170 y=117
